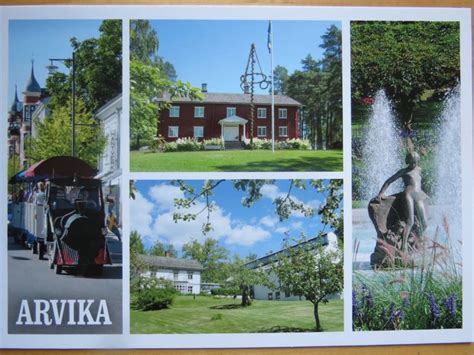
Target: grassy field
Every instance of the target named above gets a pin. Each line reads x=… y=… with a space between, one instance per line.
x=209 y=315
x=238 y=160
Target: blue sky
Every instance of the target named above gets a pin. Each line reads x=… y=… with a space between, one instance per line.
x=216 y=52
x=39 y=40
x=240 y=229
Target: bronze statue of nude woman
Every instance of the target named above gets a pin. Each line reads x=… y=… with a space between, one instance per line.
x=412 y=198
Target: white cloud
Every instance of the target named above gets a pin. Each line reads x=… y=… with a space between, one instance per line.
x=183 y=231
x=269 y=221
x=141 y=221
x=282 y=230
x=314 y=204
x=296 y=225
x=164 y=195
x=247 y=235
x=270 y=191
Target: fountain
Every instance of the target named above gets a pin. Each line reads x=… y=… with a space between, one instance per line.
x=397 y=229
x=381 y=152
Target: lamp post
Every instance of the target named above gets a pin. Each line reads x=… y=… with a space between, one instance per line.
x=51 y=70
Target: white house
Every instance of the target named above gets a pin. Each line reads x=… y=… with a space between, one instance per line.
x=109 y=117
x=184 y=273
x=260 y=292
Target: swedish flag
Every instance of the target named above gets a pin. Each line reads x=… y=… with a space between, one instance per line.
x=269 y=41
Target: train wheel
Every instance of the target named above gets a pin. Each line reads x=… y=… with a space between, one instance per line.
x=40 y=250
x=59 y=269
x=96 y=270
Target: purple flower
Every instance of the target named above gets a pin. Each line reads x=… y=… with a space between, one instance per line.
x=392 y=312
x=450 y=304
x=434 y=308
x=355 y=305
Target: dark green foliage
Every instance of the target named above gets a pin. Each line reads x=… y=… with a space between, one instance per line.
x=98 y=65
x=154 y=295
x=212 y=257
x=318 y=86
x=225 y=291
x=150 y=78
x=406 y=59
x=311 y=271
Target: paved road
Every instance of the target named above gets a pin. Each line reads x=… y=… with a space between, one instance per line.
x=30 y=278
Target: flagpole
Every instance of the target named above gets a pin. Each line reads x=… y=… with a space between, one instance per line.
x=272 y=90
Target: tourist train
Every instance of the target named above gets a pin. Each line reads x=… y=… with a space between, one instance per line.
x=57 y=209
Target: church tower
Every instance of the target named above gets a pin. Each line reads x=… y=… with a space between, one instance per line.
x=31 y=100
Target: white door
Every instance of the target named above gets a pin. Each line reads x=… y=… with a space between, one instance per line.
x=231 y=133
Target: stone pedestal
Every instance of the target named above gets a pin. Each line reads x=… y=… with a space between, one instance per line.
x=388 y=216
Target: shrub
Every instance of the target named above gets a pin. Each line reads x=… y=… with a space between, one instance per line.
x=294 y=143
x=225 y=291
x=170 y=147
x=213 y=141
x=154 y=295
x=188 y=144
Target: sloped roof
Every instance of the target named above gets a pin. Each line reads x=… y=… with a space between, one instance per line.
x=164 y=262
x=324 y=239
x=231 y=98
x=32 y=85
x=16 y=103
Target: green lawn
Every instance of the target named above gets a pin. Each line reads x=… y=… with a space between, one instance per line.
x=209 y=315
x=238 y=160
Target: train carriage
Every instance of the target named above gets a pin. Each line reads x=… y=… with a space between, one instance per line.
x=69 y=226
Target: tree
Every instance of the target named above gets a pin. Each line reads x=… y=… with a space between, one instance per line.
x=150 y=78
x=211 y=255
x=406 y=59
x=280 y=79
x=244 y=278
x=98 y=66
x=53 y=136
x=318 y=86
x=144 y=44
x=308 y=269
x=159 y=249
x=137 y=266
x=286 y=204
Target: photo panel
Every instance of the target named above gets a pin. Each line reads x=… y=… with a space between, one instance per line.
x=64 y=177
x=406 y=175
x=236 y=256
x=235 y=96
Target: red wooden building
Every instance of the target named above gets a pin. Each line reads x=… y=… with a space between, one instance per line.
x=227 y=116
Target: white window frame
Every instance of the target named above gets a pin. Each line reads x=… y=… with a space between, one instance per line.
x=170 y=128
x=199 y=112
x=280 y=131
x=259 y=128
x=233 y=109
x=262 y=109
x=283 y=113
x=194 y=132
x=190 y=275
x=174 y=111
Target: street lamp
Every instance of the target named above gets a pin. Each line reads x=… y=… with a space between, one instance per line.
x=51 y=70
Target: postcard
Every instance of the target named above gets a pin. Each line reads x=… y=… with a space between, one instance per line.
x=235 y=176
